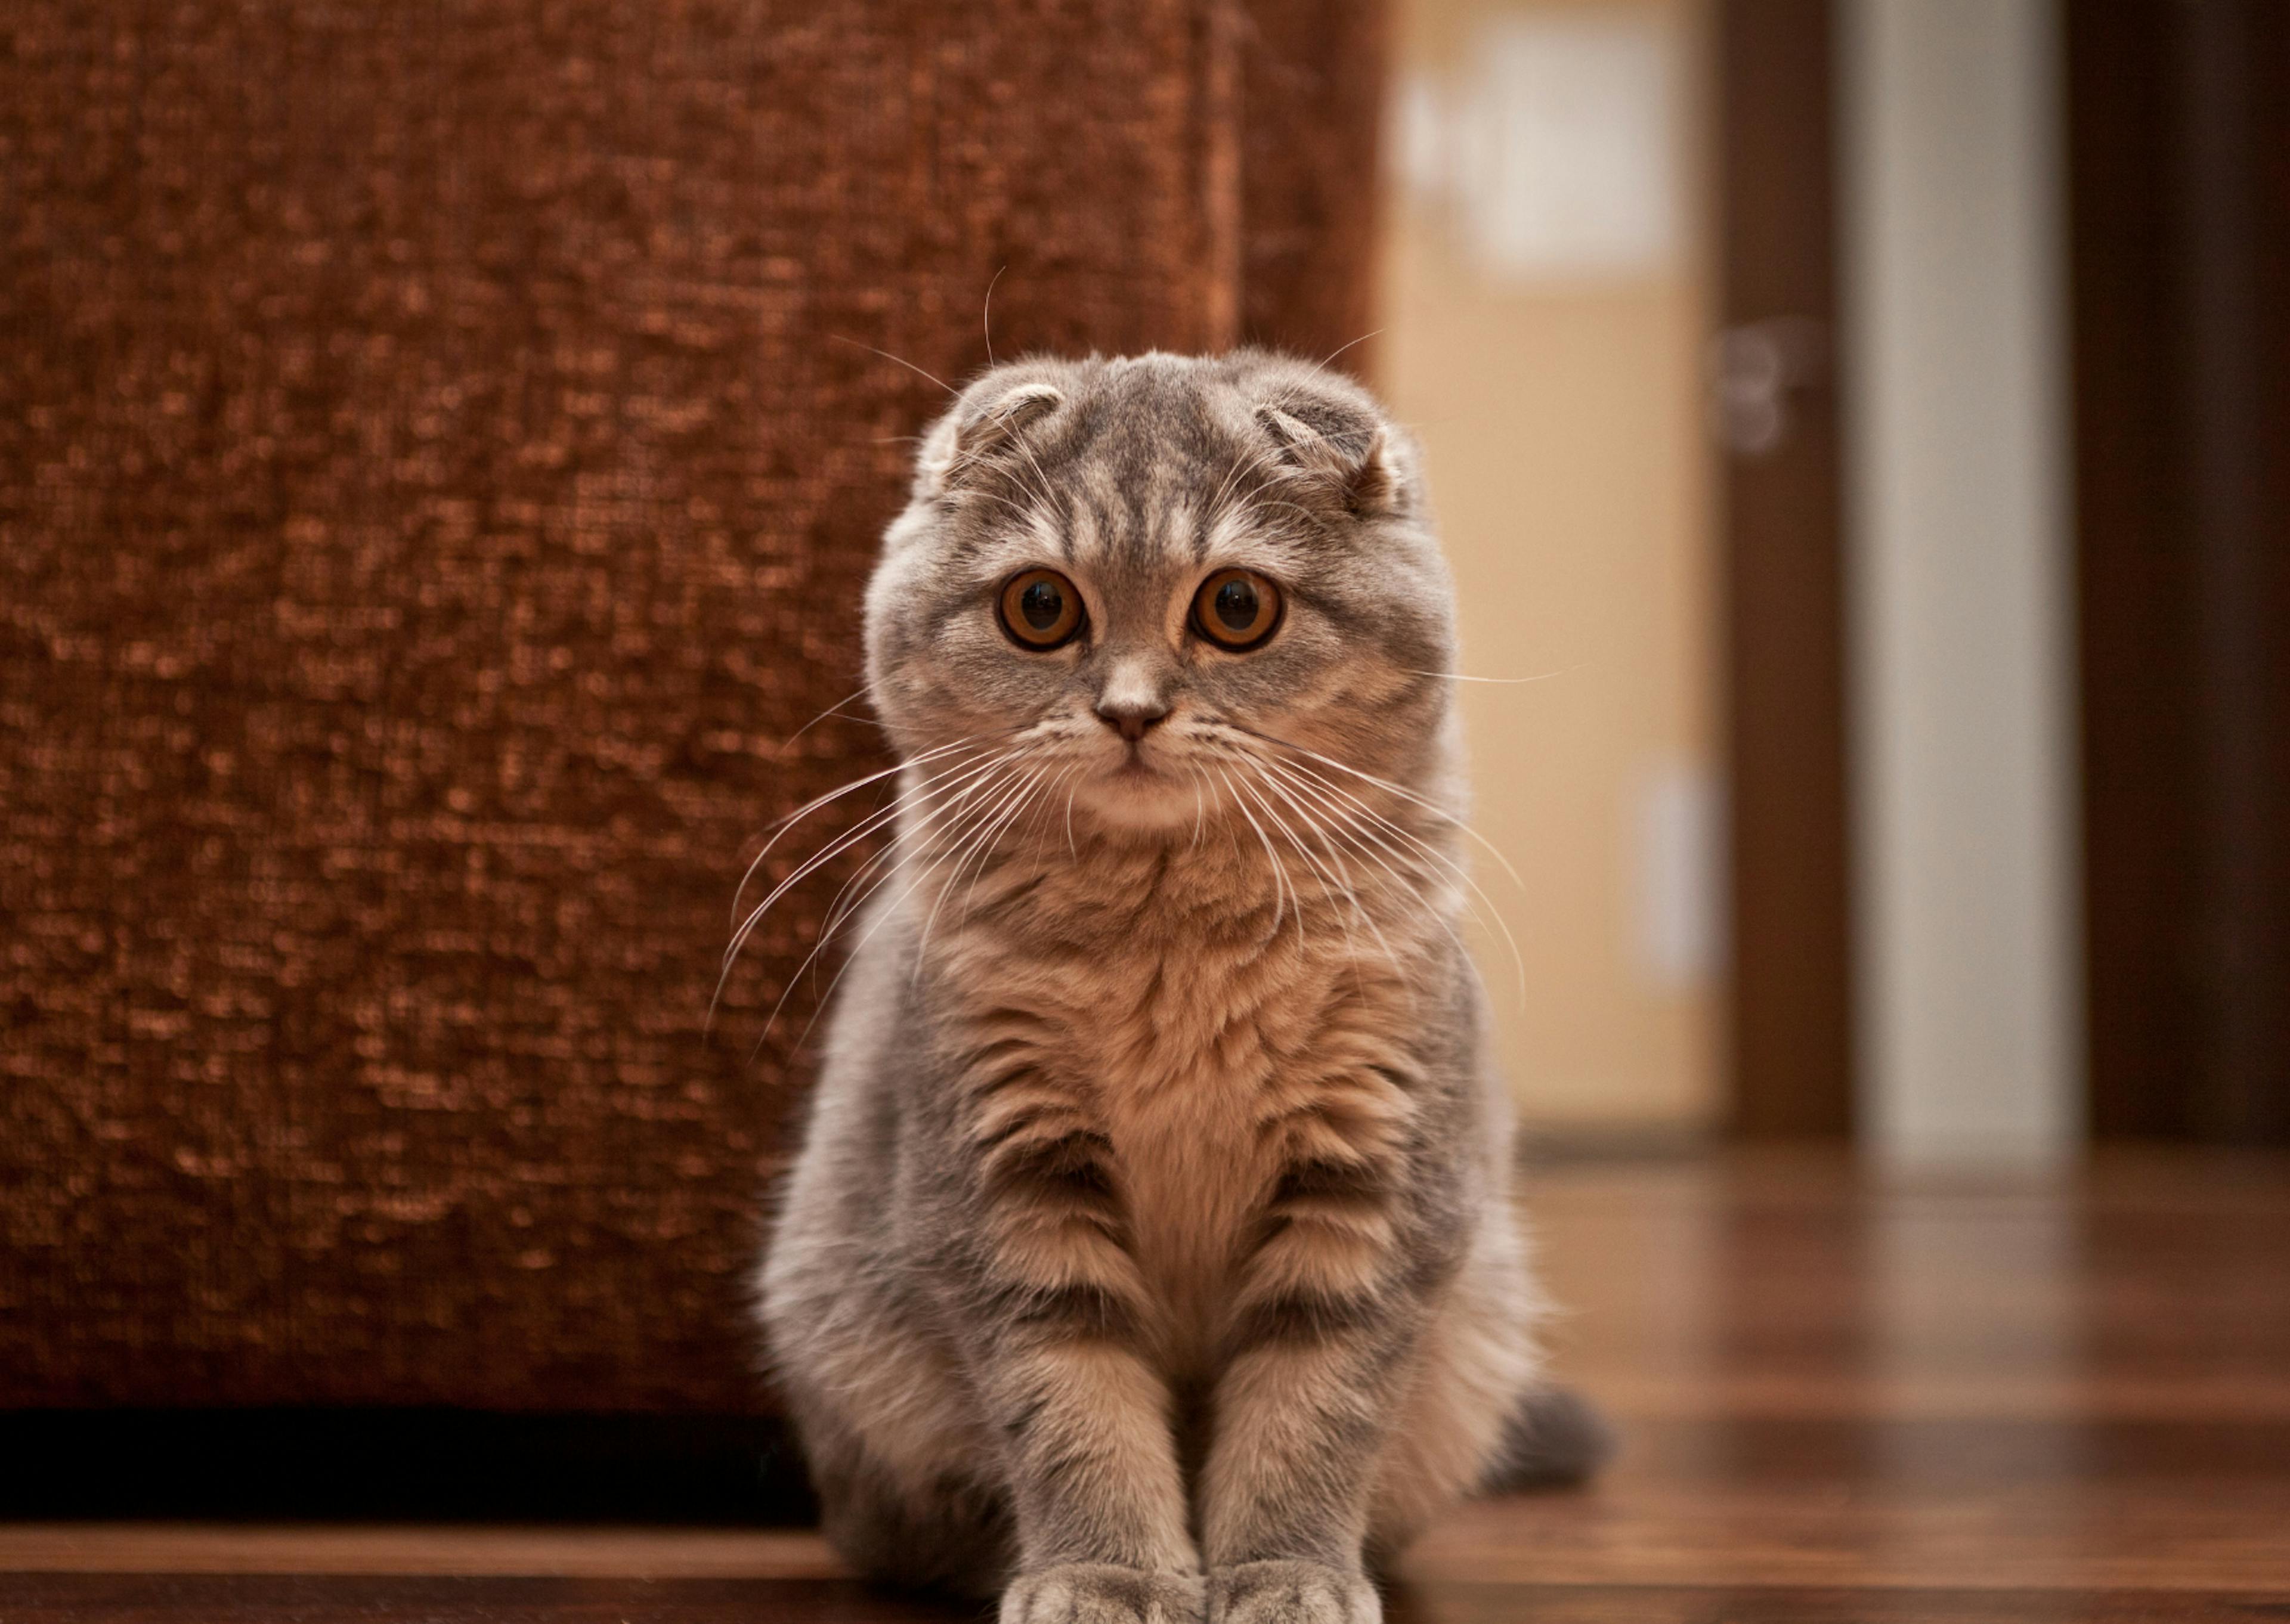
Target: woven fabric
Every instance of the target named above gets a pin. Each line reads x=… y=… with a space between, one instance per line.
x=441 y=454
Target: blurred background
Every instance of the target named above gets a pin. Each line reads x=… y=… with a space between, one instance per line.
x=1860 y=430
x=442 y=447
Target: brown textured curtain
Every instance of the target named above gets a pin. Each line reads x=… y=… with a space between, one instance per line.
x=432 y=490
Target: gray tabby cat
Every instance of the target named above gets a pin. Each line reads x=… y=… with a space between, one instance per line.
x=1150 y=1254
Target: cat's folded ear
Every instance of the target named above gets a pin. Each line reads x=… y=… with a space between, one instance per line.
x=1342 y=459
x=976 y=432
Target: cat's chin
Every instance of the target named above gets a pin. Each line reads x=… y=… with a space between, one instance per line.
x=1140 y=802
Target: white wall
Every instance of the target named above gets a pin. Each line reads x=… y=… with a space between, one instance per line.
x=1962 y=709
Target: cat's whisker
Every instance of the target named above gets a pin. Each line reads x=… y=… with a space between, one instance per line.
x=1022 y=781
x=835 y=912
x=904 y=848
x=1334 y=856
x=1358 y=815
x=986 y=315
x=858 y=947
x=900 y=360
x=928 y=801
x=1042 y=488
x=1264 y=805
x=1025 y=514
x=1407 y=890
x=1351 y=810
x=1245 y=459
x=1373 y=818
x=1041 y=842
x=1279 y=873
x=925 y=854
x=1261 y=502
x=825 y=999
x=915 y=794
x=1458 y=677
x=1038 y=818
x=1342 y=824
x=980 y=837
x=789 y=822
x=1332 y=851
x=1462 y=874
x=811 y=806
x=970 y=766
x=1024 y=808
x=1371 y=333
x=816 y=720
x=965 y=837
x=1388 y=787
x=968 y=769
x=1348 y=823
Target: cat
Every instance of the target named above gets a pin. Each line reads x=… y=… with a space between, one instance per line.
x=1149 y=1253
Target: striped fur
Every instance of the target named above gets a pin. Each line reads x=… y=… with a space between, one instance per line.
x=1150 y=1254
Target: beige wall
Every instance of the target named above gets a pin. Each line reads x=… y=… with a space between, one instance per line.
x=1558 y=404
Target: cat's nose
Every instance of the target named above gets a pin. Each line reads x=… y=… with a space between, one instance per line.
x=1135 y=698
x=1132 y=719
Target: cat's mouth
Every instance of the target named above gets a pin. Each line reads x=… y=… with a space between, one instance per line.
x=1141 y=788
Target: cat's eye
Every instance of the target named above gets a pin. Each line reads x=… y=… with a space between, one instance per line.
x=1236 y=609
x=1040 y=609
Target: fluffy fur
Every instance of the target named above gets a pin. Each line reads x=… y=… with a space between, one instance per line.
x=1149 y=1255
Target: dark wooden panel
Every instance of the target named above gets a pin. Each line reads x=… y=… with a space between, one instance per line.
x=162 y=1598
x=2179 y=140
x=2135 y=590
x=1791 y=986
x=436 y=1465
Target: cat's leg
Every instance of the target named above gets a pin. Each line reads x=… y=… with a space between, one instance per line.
x=899 y=1456
x=1327 y=1338
x=1472 y=1375
x=898 y=1448
x=943 y=1529
x=1054 y=1318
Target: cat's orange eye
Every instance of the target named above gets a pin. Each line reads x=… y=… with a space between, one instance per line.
x=1236 y=609
x=1040 y=609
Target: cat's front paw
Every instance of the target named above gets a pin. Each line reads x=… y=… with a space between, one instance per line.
x=1099 y=1593
x=1291 y=1593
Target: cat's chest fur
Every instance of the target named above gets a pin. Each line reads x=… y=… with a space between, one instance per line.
x=1155 y=1005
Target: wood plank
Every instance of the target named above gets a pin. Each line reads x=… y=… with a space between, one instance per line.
x=1841 y=1398
x=276 y=1599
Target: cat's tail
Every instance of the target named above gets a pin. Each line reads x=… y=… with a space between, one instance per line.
x=1555 y=1437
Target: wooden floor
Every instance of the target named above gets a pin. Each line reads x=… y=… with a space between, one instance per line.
x=1844 y=1400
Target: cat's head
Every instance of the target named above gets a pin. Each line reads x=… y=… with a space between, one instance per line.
x=1146 y=576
